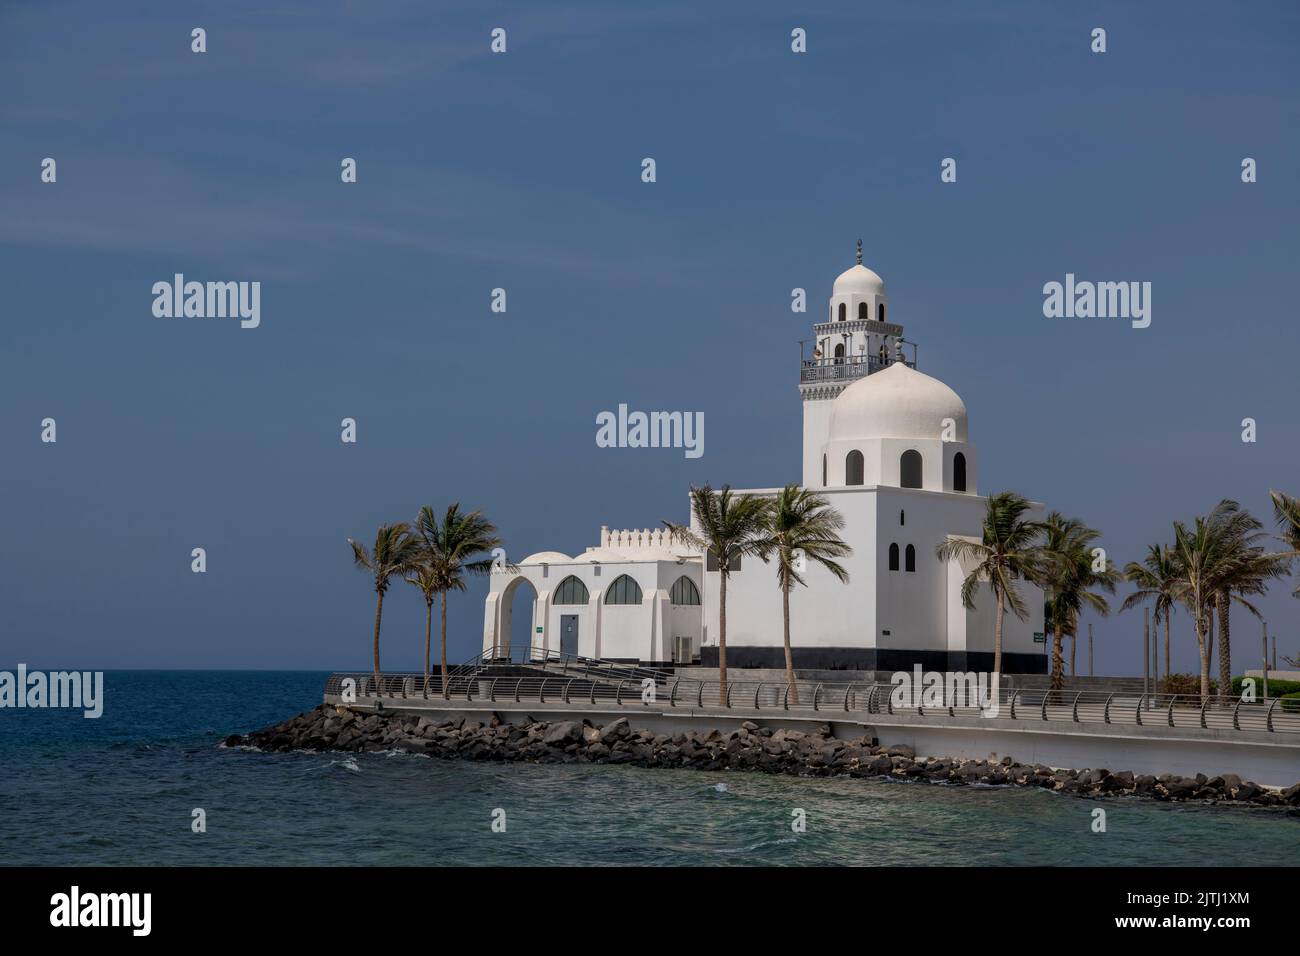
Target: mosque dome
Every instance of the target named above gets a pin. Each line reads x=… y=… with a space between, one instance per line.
x=547 y=557
x=601 y=555
x=858 y=280
x=896 y=402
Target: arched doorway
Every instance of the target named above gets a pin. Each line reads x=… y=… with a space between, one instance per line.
x=515 y=635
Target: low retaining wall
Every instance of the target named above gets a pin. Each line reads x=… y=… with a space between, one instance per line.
x=1142 y=749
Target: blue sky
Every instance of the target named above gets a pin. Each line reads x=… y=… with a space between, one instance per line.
x=522 y=171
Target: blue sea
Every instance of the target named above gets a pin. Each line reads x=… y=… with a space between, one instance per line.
x=122 y=790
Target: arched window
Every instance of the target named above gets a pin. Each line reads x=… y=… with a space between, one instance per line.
x=880 y=312
x=864 y=311
x=844 y=311
x=902 y=517
x=839 y=354
x=571 y=591
x=909 y=469
x=623 y=591
x=853 y=468
x=684 y=591
x=909 y=559
x=823 y=471
x=959 y=472
x=893 y=557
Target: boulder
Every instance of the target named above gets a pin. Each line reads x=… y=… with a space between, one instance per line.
x=1248 y=791
x=614 y=730
x=562 y=733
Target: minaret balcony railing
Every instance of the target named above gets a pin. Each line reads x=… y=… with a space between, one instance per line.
x=843 y=369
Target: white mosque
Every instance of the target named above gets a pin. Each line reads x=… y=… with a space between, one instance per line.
x=888 y=447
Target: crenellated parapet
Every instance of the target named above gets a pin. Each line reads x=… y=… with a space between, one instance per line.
x=633 y=539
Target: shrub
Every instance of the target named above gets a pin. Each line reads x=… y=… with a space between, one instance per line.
x=1185 y=684
x=1276 y=688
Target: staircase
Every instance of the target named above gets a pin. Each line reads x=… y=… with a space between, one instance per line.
x=1120 y=686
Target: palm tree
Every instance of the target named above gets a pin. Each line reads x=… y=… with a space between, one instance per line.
x=730 y=527
x=1246 y=570
x=1067 y=574
x=1286 y=511
x=1159 y=580
x=801 y=528
x=450 y=550
x=1007 y=553
x=1201 y=551
x=426 y=578
x=395 y=553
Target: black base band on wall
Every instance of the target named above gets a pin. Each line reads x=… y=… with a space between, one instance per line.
x=872 y=659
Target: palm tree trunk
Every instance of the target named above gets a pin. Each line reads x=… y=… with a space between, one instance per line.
x=1225 y=648
x=1168 y=665
x=443 y=643
x=789 y=657
x=722 y=637
x=1074 y=643
x=428 y=628
x=1058 y=662
x=379 y=614
x=1202 y=648
x=997 y=637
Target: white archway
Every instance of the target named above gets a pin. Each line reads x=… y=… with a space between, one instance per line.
x=501 y=610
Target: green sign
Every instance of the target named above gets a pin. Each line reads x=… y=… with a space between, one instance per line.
x=539 y=630
x=1039 y=637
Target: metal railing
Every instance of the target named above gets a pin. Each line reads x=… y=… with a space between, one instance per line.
x=571 y=680
x=551 y=660
x=847 y=367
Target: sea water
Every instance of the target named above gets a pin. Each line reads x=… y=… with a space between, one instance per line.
x=124 y=789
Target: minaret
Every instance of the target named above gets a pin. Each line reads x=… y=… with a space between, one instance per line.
x=855 y=340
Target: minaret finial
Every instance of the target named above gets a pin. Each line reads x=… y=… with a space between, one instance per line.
x=859 y=252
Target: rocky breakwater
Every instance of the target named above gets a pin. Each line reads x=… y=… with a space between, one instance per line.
x=751 y=747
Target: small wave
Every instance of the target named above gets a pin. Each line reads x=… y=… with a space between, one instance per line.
x=784 y=841
x=251 y=748
x=400 y=753
x=347 y=763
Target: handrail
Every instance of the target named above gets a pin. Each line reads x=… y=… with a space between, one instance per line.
x=580 y=687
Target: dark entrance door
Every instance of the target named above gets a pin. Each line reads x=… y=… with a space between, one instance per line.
x=569 y=634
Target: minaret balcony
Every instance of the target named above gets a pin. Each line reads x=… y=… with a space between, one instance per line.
x=843 y=369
